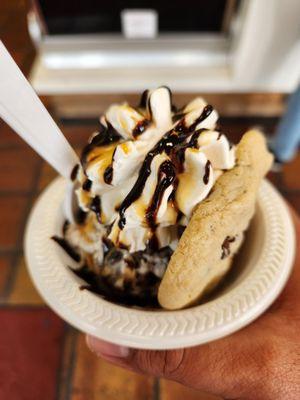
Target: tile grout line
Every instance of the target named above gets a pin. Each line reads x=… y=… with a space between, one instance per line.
x=13 y=146
x=9 y=252
x=4 y=193
x=11 y=276
x=72 y=368
x=65 y=394
x=19 y=243
x=22 y=307
x=156 y=389
x=71 y=373
x=59 y=373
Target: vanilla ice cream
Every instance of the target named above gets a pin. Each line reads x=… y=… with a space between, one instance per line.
x=140 y=178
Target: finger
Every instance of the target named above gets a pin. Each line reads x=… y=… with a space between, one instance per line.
x=221 y=368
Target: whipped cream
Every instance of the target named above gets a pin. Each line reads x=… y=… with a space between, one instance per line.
x=141 y=176
x=147 y=168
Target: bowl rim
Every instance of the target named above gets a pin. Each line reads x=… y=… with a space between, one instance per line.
x=158 y=329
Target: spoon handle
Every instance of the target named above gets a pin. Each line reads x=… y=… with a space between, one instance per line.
x=23 y=111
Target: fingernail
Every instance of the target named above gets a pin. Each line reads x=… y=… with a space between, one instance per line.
x=106 y=349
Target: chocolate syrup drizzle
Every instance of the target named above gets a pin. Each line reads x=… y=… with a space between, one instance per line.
x=207 y=172
x=96 y=207
x=143 y=100
x=87 y=184
x=138 y=130
x=67 y=247
x=205 y=114
x=106 y=136
x=144 y=173
x=173 y=138
x=179 y=155
x=108 y=174
x=166 y=176
x=103 y=286
x=100 y=286
x=173 y=143
x=140 y=127
x=74 y=172
x=80 y=216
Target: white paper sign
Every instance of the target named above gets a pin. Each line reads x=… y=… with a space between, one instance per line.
x=139 y=23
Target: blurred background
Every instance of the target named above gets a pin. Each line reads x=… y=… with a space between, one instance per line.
x=243 y=56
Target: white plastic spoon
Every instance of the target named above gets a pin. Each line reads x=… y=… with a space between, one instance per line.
x=24 y=112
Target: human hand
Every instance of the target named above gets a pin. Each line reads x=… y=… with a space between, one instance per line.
x=260 y=362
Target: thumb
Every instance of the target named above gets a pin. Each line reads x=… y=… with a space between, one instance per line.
x=196 y=367
x=230 y=367
x=158 y=363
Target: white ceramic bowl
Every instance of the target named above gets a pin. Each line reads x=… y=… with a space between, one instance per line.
x=259 y=274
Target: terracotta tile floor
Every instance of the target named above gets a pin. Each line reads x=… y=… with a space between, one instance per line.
x=12 y=165
x=5 y=263
x=41 y=357
x=103 y=380
x=30 y=346
x=13 y=209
